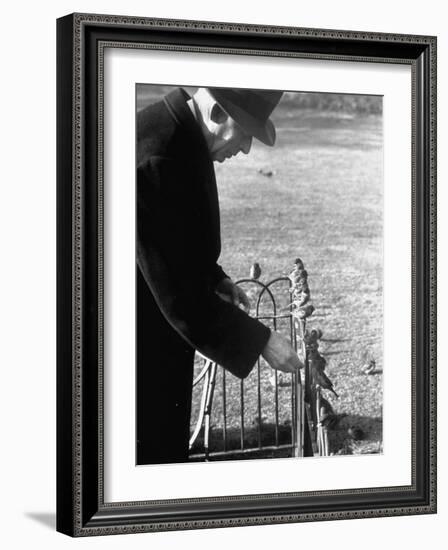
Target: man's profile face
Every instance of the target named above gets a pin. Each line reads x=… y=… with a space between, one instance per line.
x=228 y=139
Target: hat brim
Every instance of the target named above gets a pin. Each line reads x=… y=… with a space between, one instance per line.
x=263 y=131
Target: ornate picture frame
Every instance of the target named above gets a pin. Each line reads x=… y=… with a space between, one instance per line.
x=81 y=506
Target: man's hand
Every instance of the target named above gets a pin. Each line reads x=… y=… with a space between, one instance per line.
x=280 y=355
x=228 y=291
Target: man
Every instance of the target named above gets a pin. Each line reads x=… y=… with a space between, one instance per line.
x=185 y=301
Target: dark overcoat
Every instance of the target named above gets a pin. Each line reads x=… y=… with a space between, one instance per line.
x=178 y=310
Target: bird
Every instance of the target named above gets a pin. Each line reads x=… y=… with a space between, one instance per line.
x=297 y=270
x=255 y=271
x=325 y=408
x=299 y=279
x=311 y=340
x=328 y=418
x=355 y=433
x=267 y=173
x=303 y=312
x=318 y=364
x=326 y=405
x=331 y=421
x=370 y=367
x=304 y=298
x=316 y=333
x=321 y=379
x=298 y=288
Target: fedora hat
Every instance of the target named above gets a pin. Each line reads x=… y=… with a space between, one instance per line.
x=250 y=109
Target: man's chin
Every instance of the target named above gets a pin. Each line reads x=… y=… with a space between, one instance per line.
x=222 y=158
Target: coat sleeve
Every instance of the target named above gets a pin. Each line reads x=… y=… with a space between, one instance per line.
x=169 y=257
x=218 y=274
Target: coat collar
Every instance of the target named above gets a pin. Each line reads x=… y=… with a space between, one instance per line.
x=176 y=103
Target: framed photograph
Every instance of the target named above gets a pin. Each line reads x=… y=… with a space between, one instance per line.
x=246 y=274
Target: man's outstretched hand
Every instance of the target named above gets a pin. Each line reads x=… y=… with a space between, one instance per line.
x=228 y=291
x=280 y=355
x=278 y=351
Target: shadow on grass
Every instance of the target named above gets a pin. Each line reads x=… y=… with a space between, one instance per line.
x=357 y=434
x=334 y=340
x=368 y=429
x=252 y=438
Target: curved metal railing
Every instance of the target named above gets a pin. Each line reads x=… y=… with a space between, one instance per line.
x=305 y=397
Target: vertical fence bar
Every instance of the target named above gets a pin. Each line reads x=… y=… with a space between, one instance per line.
x=224 y=409
x=302 y=398
x=298 y=408
x=201 y=414
x=276 y=408
x=266 y=290
x=259 y=402
x=293 y=389
x=207 y=426
x=298 y=439
x=208 y=409
x=276 y=393
x=318 y=424
x=326 y=442
x=242 y=414
x=300 y=327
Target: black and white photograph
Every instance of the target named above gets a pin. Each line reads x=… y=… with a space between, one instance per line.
x=259 y=274
x=246 y=290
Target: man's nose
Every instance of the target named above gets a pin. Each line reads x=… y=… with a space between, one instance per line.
x=246 y=144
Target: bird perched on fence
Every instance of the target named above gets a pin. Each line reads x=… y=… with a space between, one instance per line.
x=300 y=291
x=304 y=312
x=255 y=271
x=325 y=407
x=318 y=363
x=328 y=417
x=298 y=263
x=311 y=339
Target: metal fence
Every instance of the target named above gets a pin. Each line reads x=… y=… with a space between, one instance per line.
x=276 y=414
